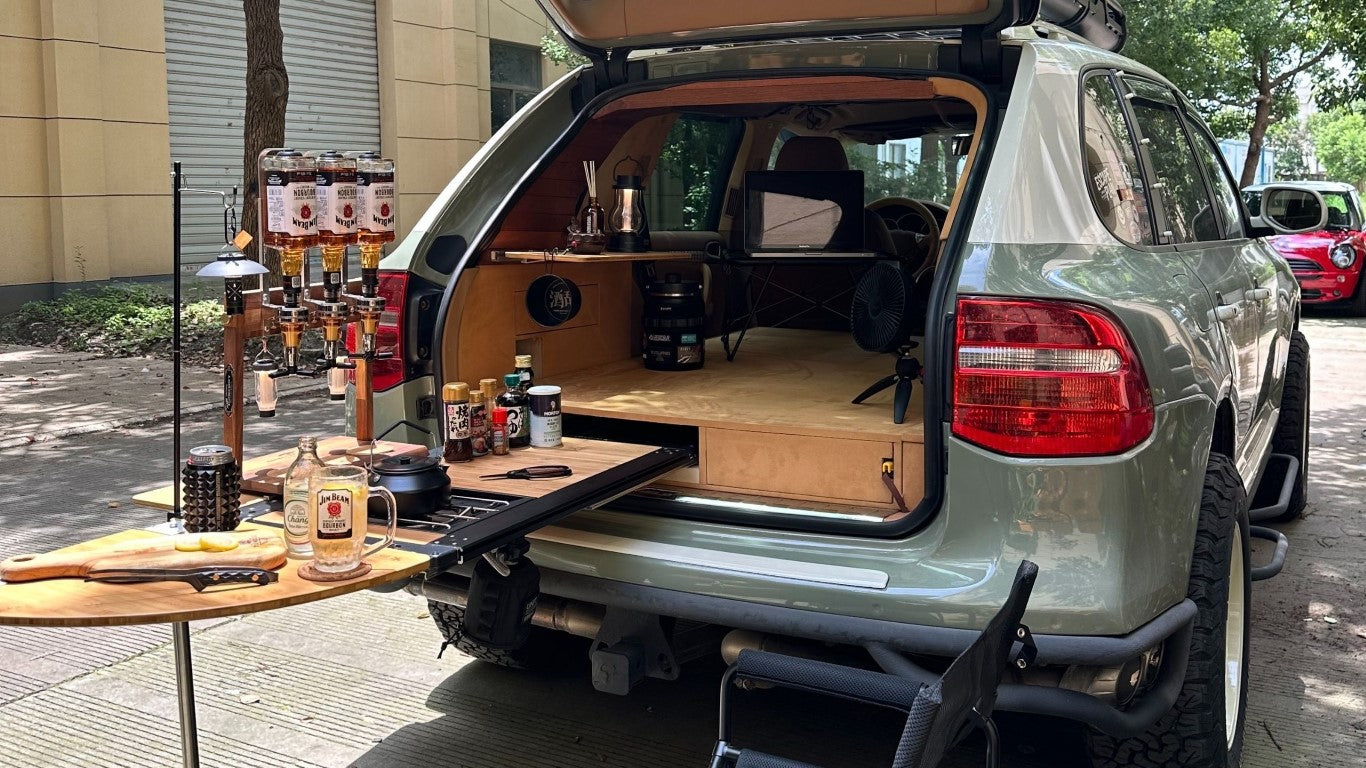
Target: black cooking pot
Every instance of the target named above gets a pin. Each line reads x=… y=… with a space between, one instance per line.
x=419 y=484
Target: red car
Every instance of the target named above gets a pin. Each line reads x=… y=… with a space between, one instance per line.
x=1326 y=262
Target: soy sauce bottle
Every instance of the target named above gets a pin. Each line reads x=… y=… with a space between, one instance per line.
x=519 y=411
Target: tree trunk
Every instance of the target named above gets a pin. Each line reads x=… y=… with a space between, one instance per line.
x=264 y=124
x=1256 y=139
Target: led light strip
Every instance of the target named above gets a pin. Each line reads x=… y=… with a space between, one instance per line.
x=1044 y=359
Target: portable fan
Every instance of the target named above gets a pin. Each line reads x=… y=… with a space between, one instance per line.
x=883 y=317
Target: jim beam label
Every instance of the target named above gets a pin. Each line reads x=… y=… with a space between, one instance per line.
x=291 y=203
x=457 y=421
x=334 y=514
x=336 y=191
x=375 y=193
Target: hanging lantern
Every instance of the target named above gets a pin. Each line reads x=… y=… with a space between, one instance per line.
x=233 y=266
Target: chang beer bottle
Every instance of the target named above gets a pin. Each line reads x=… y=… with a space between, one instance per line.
x=296 y=497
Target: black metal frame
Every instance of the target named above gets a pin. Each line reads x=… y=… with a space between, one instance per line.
x=527 y=514
x=749 y=269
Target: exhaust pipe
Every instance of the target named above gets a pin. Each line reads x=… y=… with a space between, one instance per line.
x=571 y=616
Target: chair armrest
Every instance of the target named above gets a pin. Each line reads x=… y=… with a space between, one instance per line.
x=823 y=677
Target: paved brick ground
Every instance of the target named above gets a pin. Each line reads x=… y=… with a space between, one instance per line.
x=355 y=681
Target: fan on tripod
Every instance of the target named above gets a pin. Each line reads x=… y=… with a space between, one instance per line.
x=882 y=318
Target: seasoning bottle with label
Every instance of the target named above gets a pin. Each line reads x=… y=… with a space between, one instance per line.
x=459 y=446
x=498 y=444
x=479 y=423
x=519 y=414
x=522 y=365
x=296 y=497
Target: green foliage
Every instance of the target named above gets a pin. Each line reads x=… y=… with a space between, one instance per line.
x=696 y=153
x=1340 y=143
x=1232 y=55
x=933 y=177
x=1293 y=145
x=555 y=49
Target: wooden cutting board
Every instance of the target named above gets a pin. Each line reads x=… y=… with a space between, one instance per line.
x=266 y=474
x=255 y=549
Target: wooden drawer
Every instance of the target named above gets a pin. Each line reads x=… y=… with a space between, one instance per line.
x=797 y=465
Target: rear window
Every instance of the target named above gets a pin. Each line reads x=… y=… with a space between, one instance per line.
x=1112 y=169
x=921 y=168
x=1190 y=217
x=685 y=192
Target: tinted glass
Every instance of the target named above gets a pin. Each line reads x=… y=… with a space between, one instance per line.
x=689 y=183
x=1112 y=169
x=1181 y=186
x=921 y=168
x=1226 y=205
x=1341 y=211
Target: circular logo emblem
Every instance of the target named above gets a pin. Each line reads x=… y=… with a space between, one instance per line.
x=384 y=210
x=347 y=211
x=305 y=212
x=334 y=508
x=552 y=300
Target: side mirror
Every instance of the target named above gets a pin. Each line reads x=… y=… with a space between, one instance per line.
x=1289 y=210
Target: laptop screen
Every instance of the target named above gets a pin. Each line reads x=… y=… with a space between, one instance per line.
x=819 y=211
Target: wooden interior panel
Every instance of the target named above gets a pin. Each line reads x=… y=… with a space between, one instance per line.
x=493 y=320
x=783 y=380
x=801 y=90
x=585 y=457
x=910 y=472
x=798 y=466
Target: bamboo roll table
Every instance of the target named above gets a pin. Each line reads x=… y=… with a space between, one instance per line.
x=74 y=602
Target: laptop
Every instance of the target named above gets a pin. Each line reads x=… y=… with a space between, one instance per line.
x=804 y=213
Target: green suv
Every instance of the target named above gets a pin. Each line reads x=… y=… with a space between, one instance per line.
x=1076 y=346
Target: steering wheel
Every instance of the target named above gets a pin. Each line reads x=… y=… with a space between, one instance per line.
x=913 y=216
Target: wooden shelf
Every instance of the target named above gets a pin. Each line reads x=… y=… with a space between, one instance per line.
x=584 y=258
x=783 y=381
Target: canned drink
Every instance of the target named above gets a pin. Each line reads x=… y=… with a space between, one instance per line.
x=211 y=490
x=546 y=427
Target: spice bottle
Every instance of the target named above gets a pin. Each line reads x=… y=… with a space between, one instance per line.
x=499 y=434
x=296 y=497
x=456 y=398
x=479 y=423
x=522 y=365
x=519 y=415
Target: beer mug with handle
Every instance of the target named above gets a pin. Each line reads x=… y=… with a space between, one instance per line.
x=338 y=500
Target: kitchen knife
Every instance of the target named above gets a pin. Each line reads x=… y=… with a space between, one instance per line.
x=199 y=578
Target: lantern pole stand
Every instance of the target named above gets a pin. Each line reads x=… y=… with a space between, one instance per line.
x=175 y=522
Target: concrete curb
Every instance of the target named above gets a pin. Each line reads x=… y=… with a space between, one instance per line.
x=142 y=420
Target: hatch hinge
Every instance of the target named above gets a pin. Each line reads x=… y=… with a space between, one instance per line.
x=610 y=70
x=980 y=53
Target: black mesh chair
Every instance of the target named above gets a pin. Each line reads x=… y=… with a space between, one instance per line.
x=939 y=714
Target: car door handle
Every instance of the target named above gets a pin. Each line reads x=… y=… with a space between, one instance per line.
x=1259 y=294
x=1226 y=311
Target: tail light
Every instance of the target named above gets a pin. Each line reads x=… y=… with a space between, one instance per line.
x=386 y=374
x=1046 y=378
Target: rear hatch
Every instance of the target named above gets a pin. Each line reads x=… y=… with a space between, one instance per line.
x=602 y=29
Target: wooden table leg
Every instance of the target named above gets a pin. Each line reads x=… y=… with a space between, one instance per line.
x=184 y=680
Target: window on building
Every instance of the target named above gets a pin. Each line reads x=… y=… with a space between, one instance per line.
x=688 y=186
x=515 y=79
x=1112 y=170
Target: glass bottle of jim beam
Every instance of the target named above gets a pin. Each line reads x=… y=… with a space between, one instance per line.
x=289 y=211
x=338 y=214
x=376 y=205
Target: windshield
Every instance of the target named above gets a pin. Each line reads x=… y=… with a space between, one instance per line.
x=923 y=168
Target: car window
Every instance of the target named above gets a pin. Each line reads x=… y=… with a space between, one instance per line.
x=1112 y=169
x=1226 y=205
x=1253 y=199
x=1341 y=212
x=1189 y=216
x=924 y=168
x=688 y=185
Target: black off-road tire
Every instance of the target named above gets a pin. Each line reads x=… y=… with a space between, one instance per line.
x=1292 y=428
x=1192 y=733
x=545 y=651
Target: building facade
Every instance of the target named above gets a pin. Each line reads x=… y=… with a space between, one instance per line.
x=98 y=97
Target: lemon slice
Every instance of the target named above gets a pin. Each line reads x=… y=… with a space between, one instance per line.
x=217 y=542
x=187 y=542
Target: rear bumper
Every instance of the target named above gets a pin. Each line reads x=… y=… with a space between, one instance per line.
x=886 y=641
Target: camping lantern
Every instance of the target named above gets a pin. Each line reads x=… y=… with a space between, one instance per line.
x=630 y=232
x=232 y=265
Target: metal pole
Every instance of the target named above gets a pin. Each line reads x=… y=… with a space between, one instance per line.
x=184 y=680
x=175 y=515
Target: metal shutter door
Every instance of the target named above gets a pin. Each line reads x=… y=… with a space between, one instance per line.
x=333 y=94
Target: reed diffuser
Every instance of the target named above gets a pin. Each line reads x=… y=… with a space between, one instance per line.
x=587 y=234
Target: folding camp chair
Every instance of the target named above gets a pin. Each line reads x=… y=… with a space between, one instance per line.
x=939 y=714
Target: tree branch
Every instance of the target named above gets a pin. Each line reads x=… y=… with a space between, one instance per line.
x=1282 y=78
